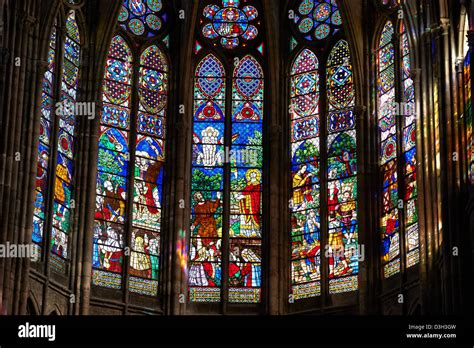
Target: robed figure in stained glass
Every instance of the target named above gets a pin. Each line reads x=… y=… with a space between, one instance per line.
x=249 y=204
x=205 y=221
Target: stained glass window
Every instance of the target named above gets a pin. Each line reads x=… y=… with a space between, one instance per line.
x=131 y=159
x=143 y=18
x=232 y=24
x=323 y=158
x=317 y=19
x=63 y=185
x=397 y=152
x=115 y=172
x=57 y=142
x=227 y=216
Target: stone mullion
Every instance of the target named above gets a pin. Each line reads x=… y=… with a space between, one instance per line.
x=10 y=141
x=21 y=223
x=446 y=198
x=275 y=252
x=32 y=135
x=178 y=286
x=425 y=155
x=94 y=64
x=81 y=170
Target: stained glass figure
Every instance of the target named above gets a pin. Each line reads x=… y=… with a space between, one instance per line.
x=317 y=20
x=143 y=18
x=232 y=24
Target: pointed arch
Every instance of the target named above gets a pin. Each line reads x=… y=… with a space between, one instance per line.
x=305 y=172
x=205 y=267
x=246 y=173
x=342 y=180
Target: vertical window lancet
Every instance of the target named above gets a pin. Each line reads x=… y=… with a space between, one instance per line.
x=207 y=189
x=64 y=181
x=342 y=172
x=305 y=171
x=246 y=172
x=45 y=141
x=113 y=166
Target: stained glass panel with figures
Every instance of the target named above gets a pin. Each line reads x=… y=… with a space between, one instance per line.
x=342 y=193
x=113 y=167
x=207 y=177
x=305 y=166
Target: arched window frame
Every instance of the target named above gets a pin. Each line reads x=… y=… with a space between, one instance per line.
x=405 y=256
x=150 y=286
x=327 y=288
x=230 y=59
x=58 y=121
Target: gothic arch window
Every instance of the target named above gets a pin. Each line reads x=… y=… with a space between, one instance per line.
x=54 y=202
x=225 y=252
x=132 y=151
x=397 y=145
x=323 y=157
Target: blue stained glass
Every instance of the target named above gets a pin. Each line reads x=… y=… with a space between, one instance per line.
x=317 y=19
x=230 y=23
x=142 y=17
x=151 y=125
x=149 y=147
x=209 y=111
x=113 y=139
x=208 y=133
x=246 y=133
